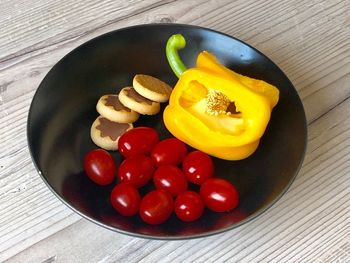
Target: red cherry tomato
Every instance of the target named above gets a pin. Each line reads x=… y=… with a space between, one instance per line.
x=189 y=206
x=137 y=170
x=219 y=195
x=100 y=167
x=140 y=140
x=171 y=179
x=156 y=207
x=125 y=199
x=169 y=151
x=197 y=167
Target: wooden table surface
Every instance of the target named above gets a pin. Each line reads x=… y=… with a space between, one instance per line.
x=308 y=39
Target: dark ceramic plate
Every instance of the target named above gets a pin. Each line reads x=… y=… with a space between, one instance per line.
x=63 y=110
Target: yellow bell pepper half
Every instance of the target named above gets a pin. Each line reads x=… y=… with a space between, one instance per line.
x=219 y=111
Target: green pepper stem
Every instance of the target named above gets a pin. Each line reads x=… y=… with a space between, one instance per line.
x=175 y=43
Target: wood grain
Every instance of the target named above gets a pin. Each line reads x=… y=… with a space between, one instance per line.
x=309 y=40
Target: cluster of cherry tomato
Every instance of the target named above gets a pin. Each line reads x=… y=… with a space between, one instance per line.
x=147 y=158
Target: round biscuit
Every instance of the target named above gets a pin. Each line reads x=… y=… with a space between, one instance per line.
x=152 y=88
x=104 y=141
x=110 y=107
x=131 y=99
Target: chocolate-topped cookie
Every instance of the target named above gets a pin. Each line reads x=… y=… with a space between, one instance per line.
x=105 y=133
x=133 y=100
x=110 y=107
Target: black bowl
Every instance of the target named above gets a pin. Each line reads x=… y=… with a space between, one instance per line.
x=63 y=110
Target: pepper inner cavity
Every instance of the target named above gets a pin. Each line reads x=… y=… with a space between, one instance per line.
x=218 y=103
x=203 y=102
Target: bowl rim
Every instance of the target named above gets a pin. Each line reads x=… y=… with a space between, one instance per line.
x=251 y=217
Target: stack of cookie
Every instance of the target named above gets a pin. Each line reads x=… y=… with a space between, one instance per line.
x=118 y=112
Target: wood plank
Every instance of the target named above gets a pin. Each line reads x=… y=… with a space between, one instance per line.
x=51 y=22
